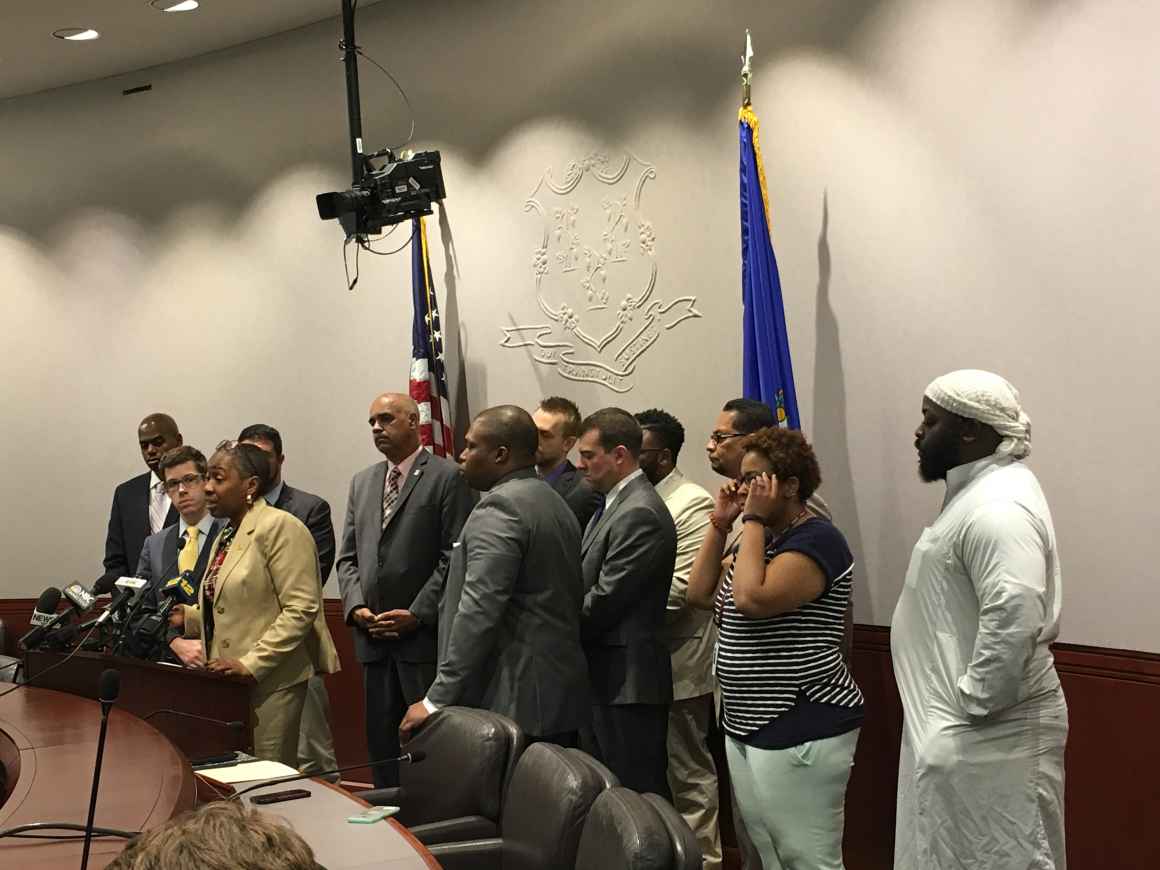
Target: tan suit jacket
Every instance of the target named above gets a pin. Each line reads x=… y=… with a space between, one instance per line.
x=689 y=631
x=268 y=602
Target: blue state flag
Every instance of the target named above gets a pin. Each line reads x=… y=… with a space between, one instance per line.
x=767 y=372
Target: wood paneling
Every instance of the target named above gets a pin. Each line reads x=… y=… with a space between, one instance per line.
x=1113 y=755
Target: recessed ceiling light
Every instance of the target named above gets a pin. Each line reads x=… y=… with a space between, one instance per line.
x=76 y=34
x=174 y=5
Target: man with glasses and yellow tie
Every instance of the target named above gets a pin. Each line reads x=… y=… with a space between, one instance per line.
x=185 y=545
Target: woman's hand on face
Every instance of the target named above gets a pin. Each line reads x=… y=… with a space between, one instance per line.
x=762 y=496
x=728 y=504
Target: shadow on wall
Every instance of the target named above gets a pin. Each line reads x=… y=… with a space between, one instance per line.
x=830 y=436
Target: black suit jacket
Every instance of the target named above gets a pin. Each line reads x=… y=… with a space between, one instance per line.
x=627 y=557
x=577 y=492
x=129 y=525
x=433 y=504
x=314 y=512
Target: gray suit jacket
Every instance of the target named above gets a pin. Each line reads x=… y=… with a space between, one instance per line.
x=314 y=512
x=433 y=503
x=628 y=555
x=509 y=625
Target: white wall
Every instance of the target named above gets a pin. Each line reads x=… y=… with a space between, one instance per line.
x=990 y=175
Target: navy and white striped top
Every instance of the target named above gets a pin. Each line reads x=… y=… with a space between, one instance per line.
x=765 y=664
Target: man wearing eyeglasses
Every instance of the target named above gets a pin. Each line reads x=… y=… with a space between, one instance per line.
x=185 y=545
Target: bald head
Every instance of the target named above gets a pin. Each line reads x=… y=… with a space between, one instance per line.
x=394 y=421
x=157 y=435
x=501 y=440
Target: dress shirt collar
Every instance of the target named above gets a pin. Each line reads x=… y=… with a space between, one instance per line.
x=669 y=483
x=555 y=474
x=203 y=526
x=275 y=493
x=616 y=490
x=959 y=477
x=405 y=466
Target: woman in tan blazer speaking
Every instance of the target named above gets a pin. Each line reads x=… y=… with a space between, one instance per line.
x=259 y=611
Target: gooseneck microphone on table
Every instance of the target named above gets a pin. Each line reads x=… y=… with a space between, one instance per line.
x=110 y=688
x=235 y=724
x=406 y=758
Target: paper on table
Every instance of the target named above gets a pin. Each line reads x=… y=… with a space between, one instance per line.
x=249 y=771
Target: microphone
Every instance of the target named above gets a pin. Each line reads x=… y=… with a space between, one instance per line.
x=120 y=598
x=412 y=757
x=81 y=598
x=44 y=617
x=110 y=688
x=234 y=724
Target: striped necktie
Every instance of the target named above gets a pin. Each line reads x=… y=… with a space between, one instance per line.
x=391 y=493
x=157 y=507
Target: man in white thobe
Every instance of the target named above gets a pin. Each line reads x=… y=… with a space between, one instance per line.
x=980 y=779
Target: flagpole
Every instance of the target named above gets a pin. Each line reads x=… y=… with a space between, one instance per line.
x=746 y=69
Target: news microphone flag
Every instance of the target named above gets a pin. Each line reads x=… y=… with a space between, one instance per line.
x=428 y=374
x=767 y=371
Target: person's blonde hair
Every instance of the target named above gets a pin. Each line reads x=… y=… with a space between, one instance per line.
x=222 y=835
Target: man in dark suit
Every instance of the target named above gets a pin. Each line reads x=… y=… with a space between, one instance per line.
x=315 y=740
x=402 y=516
x=628 y=552
x=558 y=422
x=509 y=624
x=183 y=546
x=141 y=506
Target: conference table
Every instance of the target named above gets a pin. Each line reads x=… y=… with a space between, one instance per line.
x=48 y=745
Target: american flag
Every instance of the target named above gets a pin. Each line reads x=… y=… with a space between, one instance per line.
x=428 y=376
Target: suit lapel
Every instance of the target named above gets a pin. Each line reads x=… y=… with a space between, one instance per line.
x=238 y=547
x=206 y=549
x=169 y=550
x=409 y=484
x=594 y=529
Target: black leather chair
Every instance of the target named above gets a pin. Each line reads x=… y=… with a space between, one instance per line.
x=456 y=792
x=544 y=811
x=607 y=777
x=624 y=832
x=686 y=850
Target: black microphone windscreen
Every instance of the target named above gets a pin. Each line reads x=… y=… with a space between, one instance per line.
x=48 y=600
x=105 y=583
x=110 y=685
x=417 y=756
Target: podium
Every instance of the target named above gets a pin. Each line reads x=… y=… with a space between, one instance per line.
x=147 y=688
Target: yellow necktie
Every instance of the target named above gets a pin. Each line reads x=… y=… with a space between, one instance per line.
x=187 y=558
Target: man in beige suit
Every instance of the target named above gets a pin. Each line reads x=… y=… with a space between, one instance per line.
x=259 y=611
x=692 y=772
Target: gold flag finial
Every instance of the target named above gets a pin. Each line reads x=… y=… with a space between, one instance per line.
x=746 y=69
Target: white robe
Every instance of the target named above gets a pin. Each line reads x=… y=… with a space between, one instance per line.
x=980 y=777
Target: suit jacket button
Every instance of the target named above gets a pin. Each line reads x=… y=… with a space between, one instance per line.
x=221 y=610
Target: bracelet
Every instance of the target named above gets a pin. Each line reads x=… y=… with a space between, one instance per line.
x=753 y=518
x=719 y=524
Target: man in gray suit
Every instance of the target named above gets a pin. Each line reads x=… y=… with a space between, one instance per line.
x=509 y=625
x=402 y=516
x=628 y=552
x=315 y=740
x=183 y=546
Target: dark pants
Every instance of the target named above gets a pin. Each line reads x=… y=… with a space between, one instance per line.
x=631 y=740
x=390 y=687
x=566 y=739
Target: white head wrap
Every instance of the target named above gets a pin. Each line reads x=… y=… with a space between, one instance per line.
x=990 y=399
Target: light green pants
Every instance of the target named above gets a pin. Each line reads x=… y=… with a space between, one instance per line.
x=793 y=800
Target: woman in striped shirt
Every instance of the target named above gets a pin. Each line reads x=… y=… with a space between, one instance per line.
x=790 y=708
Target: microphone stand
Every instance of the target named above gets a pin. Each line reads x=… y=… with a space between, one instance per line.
x=110 y=685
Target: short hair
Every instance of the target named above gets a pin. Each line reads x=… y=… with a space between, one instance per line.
x=749 y=415
x=790 y=455
x=262 y=432
x=667 y=427
x=568 y=410
x=617 y=428
x=180 y=456
x=221 y=835
x=512 y=427
x=252 y=461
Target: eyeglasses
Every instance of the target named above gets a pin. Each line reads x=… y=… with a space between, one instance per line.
x=718 y=437
x=188 y=481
